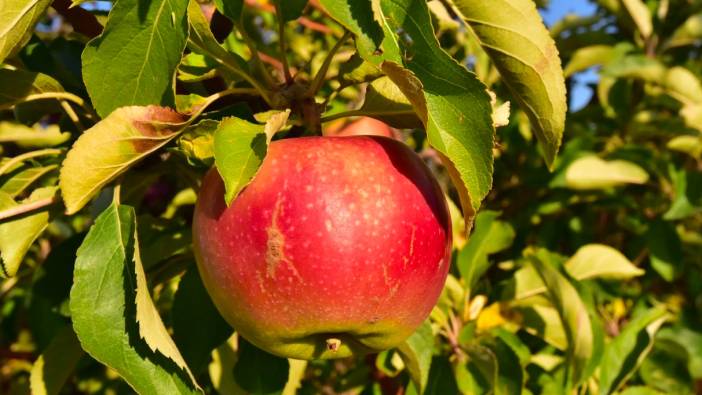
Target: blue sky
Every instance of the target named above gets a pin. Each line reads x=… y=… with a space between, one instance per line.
x=556 y=10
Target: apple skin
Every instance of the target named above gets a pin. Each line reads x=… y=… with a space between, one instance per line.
x=362 y=126
x=339 y=246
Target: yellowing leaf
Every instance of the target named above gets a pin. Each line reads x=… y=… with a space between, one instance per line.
x=490 y=317
x=17 y=235
x=30 y=137
x=18 y=20
x=151 y=327
x=110 y=147
x=640 y=15
x=513 y=34
x=586 y=57
x=591 y=172
x=691 y=145
x=598 y=260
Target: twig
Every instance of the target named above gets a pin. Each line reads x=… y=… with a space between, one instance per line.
x=283 y=45
x=322 y=73
x=255 y=55
x=27 y=207
x=72 y=115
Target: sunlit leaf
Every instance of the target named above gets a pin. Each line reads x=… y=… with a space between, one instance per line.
x=17 y=234
x=639 y=13
x=591 y=172
x=32 y=137
x=135 y=58
x=601 y=261
x=103 y=305
x=19 y=18
x=110 y=147
x=239 y=149
x=526 y=56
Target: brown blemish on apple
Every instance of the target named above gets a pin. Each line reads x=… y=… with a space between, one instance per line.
x=275 y=246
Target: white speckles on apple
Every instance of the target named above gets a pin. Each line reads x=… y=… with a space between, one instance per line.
x=328 y=225
x=308 y=188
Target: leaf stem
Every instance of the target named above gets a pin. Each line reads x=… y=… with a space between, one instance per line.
x=72 y=114
x=283 y=44
x=27 y=207
x=57 y=95
x=363 y=113
x=28 y=155
x=322 y=73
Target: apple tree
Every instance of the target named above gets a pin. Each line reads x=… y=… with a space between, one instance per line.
x=190 y=201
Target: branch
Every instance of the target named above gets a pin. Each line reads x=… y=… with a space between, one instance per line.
x=322 y=73
x=27 y=208
x=283 y=45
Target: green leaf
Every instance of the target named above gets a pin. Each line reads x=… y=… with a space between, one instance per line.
x=416 y=352
x=151 y=327
x=103 y=305
x=592 y=172
x=135 y=58
x=540 y=318
x=18 y=181
x=18 y=86
x=386 y=102
x=526 y=56
x=666 y=368
x=624 y=354
x=202 y=41
x=441 y=379
x=601 y=261
x=258 y=372
x=290 y=9
x=490 y=236
x=239 y=149
x=197 y=326
x=665 y=249
x=358 y=18
x=32 y=137
x=113 y=145
x=688 y=194
x=19 y=18
x=639 y=13
x=586 y=57
x=56 y=363
x=229 y=8
x=572 y=312
x=18 y=234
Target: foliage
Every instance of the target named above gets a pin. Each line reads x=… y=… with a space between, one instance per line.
x=573 y=272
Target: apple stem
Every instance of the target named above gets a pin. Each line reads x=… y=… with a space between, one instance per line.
x=333 y=344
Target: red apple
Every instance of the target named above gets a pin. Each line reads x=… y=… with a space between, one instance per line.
x=339 y=246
